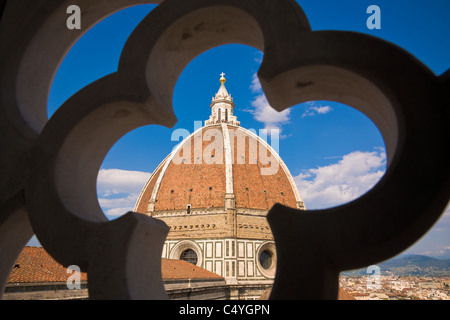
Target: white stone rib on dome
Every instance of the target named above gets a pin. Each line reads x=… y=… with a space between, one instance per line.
x=228 y=159
x=148 y=182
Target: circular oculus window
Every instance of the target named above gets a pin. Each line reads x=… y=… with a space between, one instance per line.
x=267 y=259
x=190 y=256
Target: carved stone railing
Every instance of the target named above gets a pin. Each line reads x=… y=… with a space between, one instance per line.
x=49 y=167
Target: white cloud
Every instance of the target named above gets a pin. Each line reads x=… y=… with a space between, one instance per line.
x=311 y=109
x=272 y=119
x=118 y=189
x=263 y=112
x=341 y=182
x=255 y=86
x=123 y=201
x=121 y=181
x=259 y=57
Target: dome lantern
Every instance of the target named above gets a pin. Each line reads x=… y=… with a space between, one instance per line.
x=222 y=106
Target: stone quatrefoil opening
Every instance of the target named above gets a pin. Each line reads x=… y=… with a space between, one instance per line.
x=53 y=192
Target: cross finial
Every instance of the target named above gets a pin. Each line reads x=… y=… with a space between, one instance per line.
x=222 y=79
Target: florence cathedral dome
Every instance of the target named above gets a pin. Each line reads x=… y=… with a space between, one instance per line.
x=214 y=191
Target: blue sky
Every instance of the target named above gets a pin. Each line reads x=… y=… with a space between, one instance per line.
x=334 y=152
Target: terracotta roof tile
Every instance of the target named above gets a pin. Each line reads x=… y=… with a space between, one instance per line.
x=35 y=265
x=203 y=185
x=179 y=269
x=344 y=295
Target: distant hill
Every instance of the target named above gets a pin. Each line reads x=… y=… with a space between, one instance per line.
x=416 y=260
x=414 y=265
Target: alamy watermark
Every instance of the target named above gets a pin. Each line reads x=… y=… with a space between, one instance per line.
x=374 y=278
x=74 y=280
x=74 y=20
x=374 y=20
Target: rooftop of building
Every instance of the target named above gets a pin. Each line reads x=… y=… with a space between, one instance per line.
x=35 y=265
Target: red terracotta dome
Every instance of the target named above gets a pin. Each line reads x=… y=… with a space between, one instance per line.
x=220 y=165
